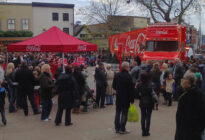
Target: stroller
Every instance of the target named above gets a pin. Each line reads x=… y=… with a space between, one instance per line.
x=90 y=99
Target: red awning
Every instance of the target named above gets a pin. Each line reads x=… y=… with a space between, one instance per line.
x=52 y=40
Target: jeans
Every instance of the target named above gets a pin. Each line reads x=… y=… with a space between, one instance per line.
x=12 y=97
x=3 y=115
x=146 y=119
x=100 y=96
x=25 y=104
x=60 y=113
x=109 y=99
x=46 y=109
x=121 y=118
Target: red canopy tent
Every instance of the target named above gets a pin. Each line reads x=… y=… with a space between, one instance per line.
x=52 y=40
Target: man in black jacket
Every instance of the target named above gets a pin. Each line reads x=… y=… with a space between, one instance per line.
x=101 y=83
x=68 y=93
x=190 y=116
x=178 y=74
x=124 y=87
x=26 y=81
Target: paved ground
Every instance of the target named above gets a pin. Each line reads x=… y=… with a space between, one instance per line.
x=97 y=124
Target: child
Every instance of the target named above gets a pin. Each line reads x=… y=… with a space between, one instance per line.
x=170 y=84
x=2 y=103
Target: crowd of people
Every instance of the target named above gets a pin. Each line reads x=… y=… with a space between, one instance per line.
x=32 y=76
x=178 y=81
x=38 y=78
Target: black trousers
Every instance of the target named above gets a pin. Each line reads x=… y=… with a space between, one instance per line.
x=59 y=114
x=24 y=103
x=100 y=95
x=146 y=119
x=169 y=98
x=121 y=118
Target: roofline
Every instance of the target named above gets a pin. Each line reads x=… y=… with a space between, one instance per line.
x=129 y=16
x=81 y=28
x=54 y=5
x=40 y=4
x=12 y=3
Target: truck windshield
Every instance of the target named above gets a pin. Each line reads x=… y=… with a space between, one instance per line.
x=165 y=46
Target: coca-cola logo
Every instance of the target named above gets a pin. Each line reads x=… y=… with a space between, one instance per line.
x=134 y=44
x=82 y=47
x=115 y=44
x=161 y=32
x=34 y=48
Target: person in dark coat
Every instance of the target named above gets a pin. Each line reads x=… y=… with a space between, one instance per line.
x=58 y=72
x=77 y=74
x=155 y=74
x=145 y=89
x=101 y=84
x=178 y=73
x=138 y=60
x=26 y=81
x=10 y=75
x=2 y=103
x=67 y=90
x=190 y=116
x=46 y=87
x=124 y=87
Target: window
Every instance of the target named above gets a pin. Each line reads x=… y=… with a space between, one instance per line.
x=164 y=46
x=55 y=16
x=25 y=24
x=11 y=24
x=66 y=30
x=65 y=16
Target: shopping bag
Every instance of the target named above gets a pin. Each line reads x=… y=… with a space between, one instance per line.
x=133 y=115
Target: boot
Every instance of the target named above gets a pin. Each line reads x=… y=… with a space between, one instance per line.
x=157 y=106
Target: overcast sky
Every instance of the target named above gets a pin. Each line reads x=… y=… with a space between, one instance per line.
x=191 y=19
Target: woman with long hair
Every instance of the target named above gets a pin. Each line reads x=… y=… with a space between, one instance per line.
x=46 y=86
x=163 y=78
x=144 y=90
x=10 y=78
x=155 y=77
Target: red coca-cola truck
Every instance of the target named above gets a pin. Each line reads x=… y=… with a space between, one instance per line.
x=159 y=41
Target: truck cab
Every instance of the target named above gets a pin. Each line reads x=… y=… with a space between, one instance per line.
x=164 y=41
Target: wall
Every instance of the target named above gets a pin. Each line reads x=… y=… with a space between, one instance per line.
x=17 y=12
x=42 y=19
x=141 y=22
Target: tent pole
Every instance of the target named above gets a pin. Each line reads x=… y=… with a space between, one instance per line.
x=63 y=63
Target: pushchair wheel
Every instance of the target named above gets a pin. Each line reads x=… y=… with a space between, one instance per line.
x=94 y=105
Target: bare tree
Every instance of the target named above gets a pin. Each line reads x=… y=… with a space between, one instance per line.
x=98 y=10
x=165 y=10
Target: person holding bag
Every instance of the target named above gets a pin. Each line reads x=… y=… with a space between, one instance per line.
x=147 y=95
x=124 y=87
